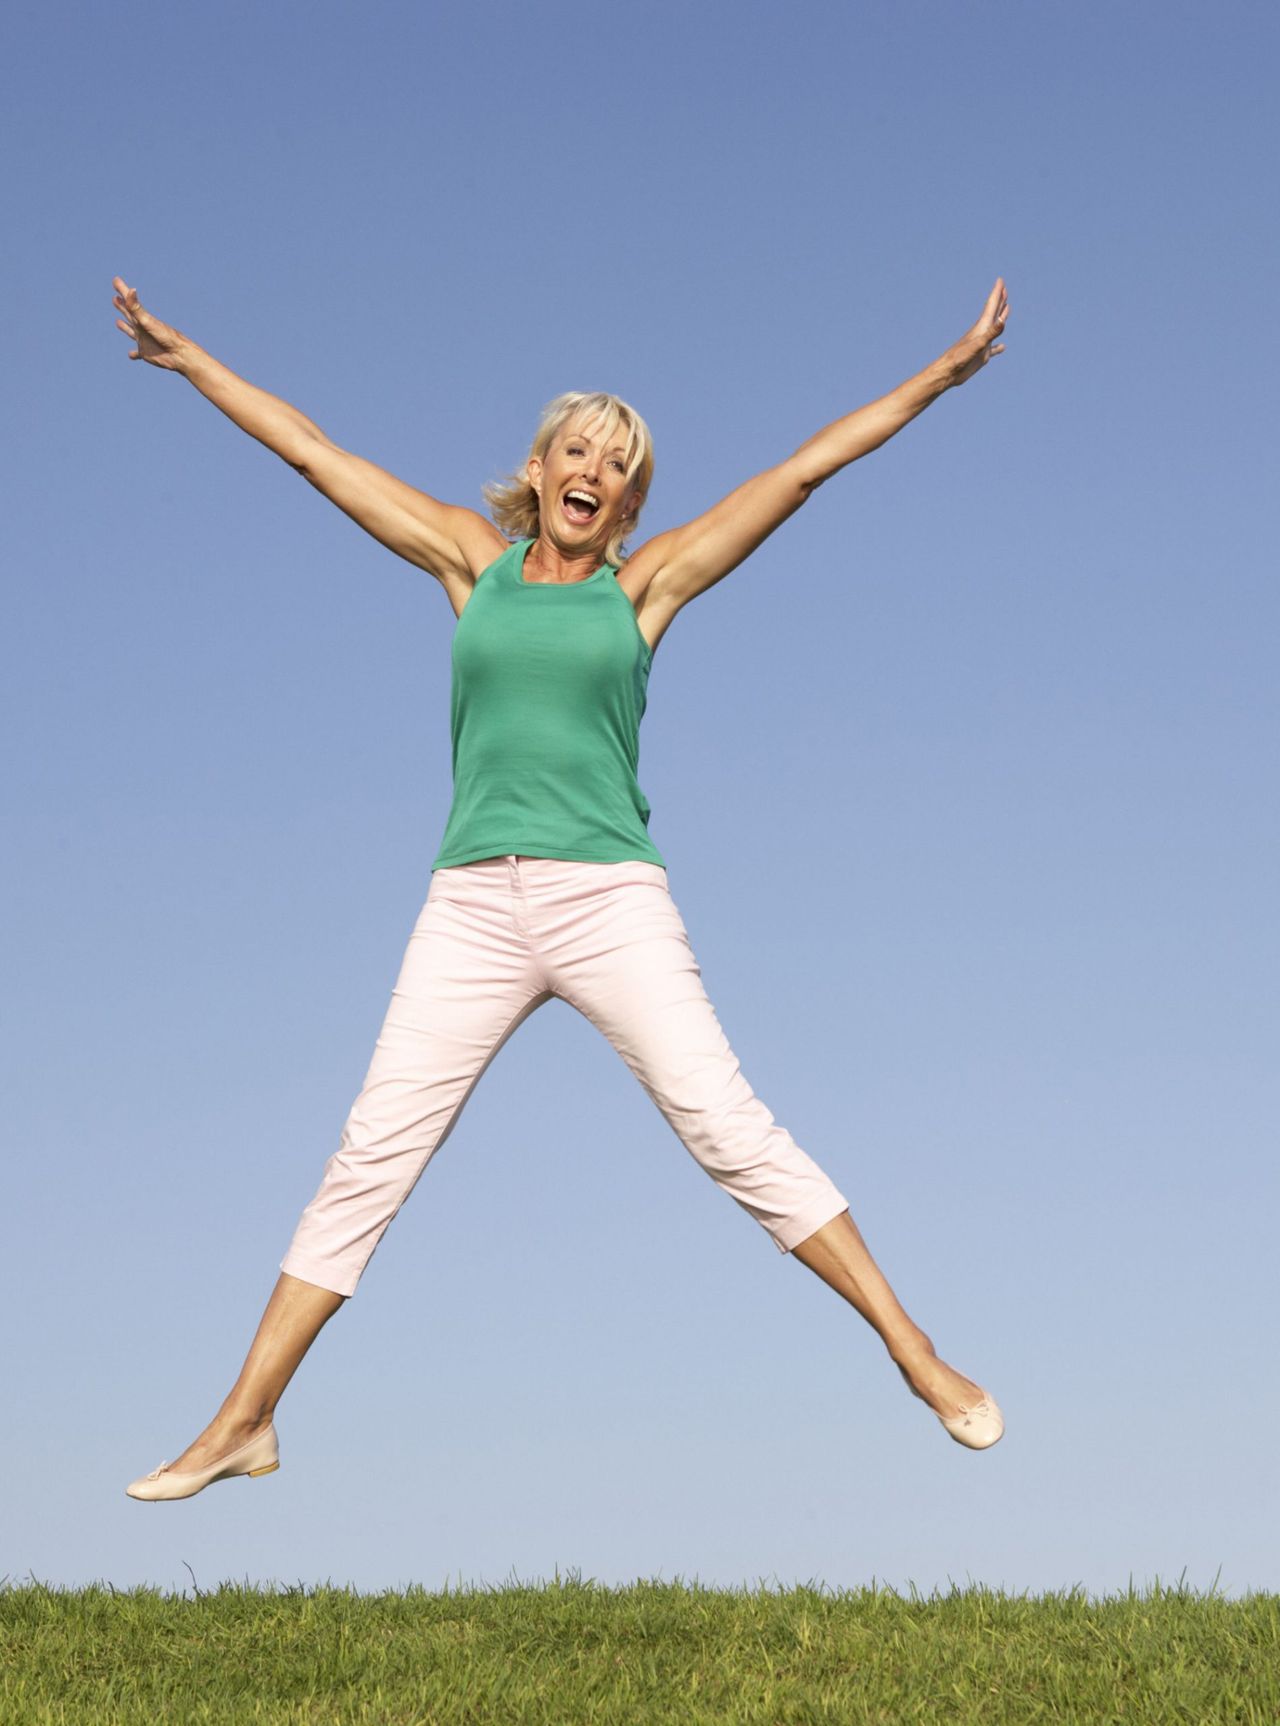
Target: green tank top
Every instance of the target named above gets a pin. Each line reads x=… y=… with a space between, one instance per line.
x=550 y=684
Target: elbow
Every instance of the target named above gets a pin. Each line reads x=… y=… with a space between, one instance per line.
x=802 y=475
x=294 y=455
x=302 y=456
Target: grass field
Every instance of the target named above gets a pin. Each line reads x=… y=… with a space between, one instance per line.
x=572 y=1651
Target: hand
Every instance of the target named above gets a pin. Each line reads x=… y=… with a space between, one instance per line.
x=973 y=350
x=158 y=343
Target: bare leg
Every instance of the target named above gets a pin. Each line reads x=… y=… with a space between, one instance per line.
x=839 y=1255
x=294 y=1317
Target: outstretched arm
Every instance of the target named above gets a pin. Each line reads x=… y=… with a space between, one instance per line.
x=450 y=542
x=675 y=567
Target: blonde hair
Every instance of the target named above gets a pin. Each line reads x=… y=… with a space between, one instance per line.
x=513 y=503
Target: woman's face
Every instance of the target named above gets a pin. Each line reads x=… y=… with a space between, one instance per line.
x=582 y=488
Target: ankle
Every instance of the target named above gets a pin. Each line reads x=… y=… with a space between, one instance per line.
x=911 y=1348
x=243 y=1423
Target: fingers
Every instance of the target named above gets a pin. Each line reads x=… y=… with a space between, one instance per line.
x=126 y=298
x=131 y=321
x=991 y=320
x=996 y=311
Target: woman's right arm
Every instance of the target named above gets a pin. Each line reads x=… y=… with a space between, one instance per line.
x=449 y=542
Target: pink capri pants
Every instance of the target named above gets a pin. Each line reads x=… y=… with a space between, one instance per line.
x=495 y=940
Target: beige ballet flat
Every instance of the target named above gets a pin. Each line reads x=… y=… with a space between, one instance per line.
x=978 y=1427
x=260 y=1456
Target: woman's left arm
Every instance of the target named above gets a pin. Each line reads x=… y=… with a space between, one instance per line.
x=688 y=560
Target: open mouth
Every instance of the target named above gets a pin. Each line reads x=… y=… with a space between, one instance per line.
x=580 y=506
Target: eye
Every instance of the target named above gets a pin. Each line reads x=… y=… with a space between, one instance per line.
x=616 y=463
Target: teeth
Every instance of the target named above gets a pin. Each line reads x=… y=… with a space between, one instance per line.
x=586 y=497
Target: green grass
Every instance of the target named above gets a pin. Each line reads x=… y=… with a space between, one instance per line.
x=571 y=1651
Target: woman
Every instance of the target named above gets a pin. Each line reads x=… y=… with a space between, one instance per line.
x=547 y=883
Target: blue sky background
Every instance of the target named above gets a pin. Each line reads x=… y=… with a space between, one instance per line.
x=962 y=780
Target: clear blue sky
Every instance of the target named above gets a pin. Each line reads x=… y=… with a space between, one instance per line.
x=962 y=779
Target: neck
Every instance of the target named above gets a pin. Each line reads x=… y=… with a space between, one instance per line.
x=546 y=562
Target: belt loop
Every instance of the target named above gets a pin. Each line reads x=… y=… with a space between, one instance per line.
x=515 y=886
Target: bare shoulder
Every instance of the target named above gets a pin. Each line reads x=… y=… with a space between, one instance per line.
x=479 y=543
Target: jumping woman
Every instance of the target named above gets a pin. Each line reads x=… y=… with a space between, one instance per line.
x=546 y=883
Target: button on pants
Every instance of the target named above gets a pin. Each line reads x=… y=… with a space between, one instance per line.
x=495 y=940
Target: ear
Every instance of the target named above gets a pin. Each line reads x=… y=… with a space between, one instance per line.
x=533 y=473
